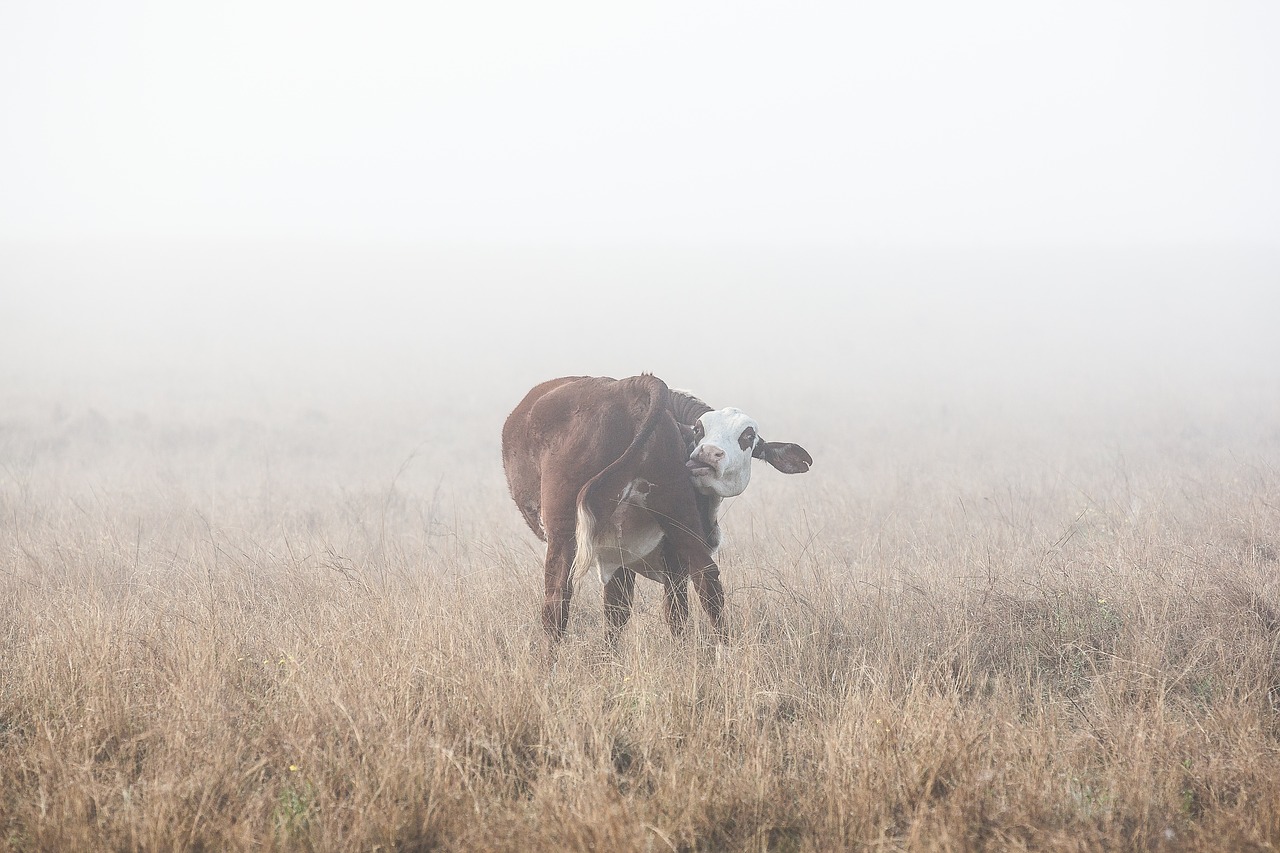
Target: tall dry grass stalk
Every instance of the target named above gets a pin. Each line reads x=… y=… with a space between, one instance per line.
x=281 y=637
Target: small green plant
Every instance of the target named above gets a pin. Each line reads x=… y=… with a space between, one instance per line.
x=294 y=806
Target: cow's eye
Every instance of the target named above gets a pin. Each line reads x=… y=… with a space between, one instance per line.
x=747 y=438
x=698 y=430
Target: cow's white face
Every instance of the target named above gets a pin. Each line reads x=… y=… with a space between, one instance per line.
x=721 y=461
x=726 y=442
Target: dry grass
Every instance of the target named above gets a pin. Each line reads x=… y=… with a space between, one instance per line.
x=254 y=636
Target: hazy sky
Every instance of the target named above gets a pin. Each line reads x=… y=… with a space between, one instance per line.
x=965 y=124
x=857 y=200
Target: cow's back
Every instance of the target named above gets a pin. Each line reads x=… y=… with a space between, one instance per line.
x=564 y=432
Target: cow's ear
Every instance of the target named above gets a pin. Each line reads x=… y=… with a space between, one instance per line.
x=689 y=436
x=786 y=457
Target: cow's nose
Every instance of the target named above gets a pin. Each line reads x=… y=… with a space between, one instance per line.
x=710 y=453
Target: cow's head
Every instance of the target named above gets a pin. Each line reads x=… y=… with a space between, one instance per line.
x=725 y=443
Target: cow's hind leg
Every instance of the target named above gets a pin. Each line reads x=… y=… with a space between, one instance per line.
x=560 y=521
x=559 y=584
x=618 y=593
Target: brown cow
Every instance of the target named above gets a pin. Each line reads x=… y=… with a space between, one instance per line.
x=628 y=475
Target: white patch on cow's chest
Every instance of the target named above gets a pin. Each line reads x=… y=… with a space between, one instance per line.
x=631 y=535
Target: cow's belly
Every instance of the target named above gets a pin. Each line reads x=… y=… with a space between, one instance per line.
x=630 y=538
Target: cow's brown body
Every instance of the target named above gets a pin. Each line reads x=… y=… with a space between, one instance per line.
x=589 y=459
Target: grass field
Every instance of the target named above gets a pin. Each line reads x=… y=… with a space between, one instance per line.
x=962 y=630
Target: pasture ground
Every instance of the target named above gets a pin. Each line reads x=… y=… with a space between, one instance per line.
x=964 y=630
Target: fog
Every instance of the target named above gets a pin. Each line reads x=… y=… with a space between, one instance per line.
x=273 y=273
x=983 y=209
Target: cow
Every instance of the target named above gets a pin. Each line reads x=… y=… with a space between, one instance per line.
x=628 y=475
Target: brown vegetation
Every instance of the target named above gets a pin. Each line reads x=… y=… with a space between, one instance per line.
x=278 y=636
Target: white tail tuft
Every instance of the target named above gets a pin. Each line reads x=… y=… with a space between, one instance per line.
x=585 y=536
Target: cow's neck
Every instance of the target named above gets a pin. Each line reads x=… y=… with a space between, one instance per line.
x=709 y=511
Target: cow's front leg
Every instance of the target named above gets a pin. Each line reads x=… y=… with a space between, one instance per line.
x=675 y=604
x=692 y=557
x=706 y=582
x=675 y=591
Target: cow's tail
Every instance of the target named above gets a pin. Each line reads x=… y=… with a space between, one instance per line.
x=593 y=497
